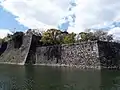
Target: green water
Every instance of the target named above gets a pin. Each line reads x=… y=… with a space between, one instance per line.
x=14 y=77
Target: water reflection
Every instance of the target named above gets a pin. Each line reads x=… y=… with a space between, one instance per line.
x=110 y=80
x=56 y=78
x=29 y=78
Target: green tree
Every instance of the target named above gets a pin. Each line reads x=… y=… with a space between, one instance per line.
x=54 y=36
x=86 y=36
x=51 y=36
x=97 y=35
x=69 y=38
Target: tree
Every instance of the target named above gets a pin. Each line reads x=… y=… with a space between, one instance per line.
x=103 y=36
x=69 y=38
x=97 y=35
x=86 y=36
x=51 y=36
x=54 y=36
x=109 y=37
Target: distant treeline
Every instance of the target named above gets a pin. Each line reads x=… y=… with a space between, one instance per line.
x=54 y=36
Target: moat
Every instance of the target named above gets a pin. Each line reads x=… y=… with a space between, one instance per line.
x=13 y=77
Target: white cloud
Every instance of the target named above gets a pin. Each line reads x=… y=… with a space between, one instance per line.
x=115 y=32
x=4 y=32
x=36 y=13
x=47 y=13
x=96 y=12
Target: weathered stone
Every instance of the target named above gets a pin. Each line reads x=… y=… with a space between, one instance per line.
x=91 y=54
x=19 y=54
x=85 y=54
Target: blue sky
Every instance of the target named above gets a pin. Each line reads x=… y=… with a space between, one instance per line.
x=7 y=21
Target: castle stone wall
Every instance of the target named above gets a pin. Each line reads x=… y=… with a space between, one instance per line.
x=109 y=54
x=84 y=54
x=90 y=54
x=94 y=54
x=14 y=55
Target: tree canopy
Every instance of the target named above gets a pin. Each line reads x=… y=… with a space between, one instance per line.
x=54 y=36
x=97 y=35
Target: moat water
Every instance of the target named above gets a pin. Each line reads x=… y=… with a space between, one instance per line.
x=13 y=77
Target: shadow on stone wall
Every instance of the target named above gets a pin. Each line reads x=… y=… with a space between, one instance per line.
x=48 y=54
x=3 y=47
x=53 y=52
x=18 y=39
x=109 y=53
x=31 y=58
x=74 y=54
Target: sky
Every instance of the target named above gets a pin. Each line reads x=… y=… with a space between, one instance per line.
x=73 y=15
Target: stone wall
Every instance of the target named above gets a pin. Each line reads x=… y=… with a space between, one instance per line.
x=109 y=54
x=13 y=55
x=3 y=46
x=31 y=58
x=84 y=54
x=94 y=54
x=90 y=54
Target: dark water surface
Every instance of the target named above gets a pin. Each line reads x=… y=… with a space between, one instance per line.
x=13 y=77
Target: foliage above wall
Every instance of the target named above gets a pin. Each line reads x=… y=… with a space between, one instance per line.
x=54 y=36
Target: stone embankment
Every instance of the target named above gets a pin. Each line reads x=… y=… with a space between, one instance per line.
x=90 y=54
